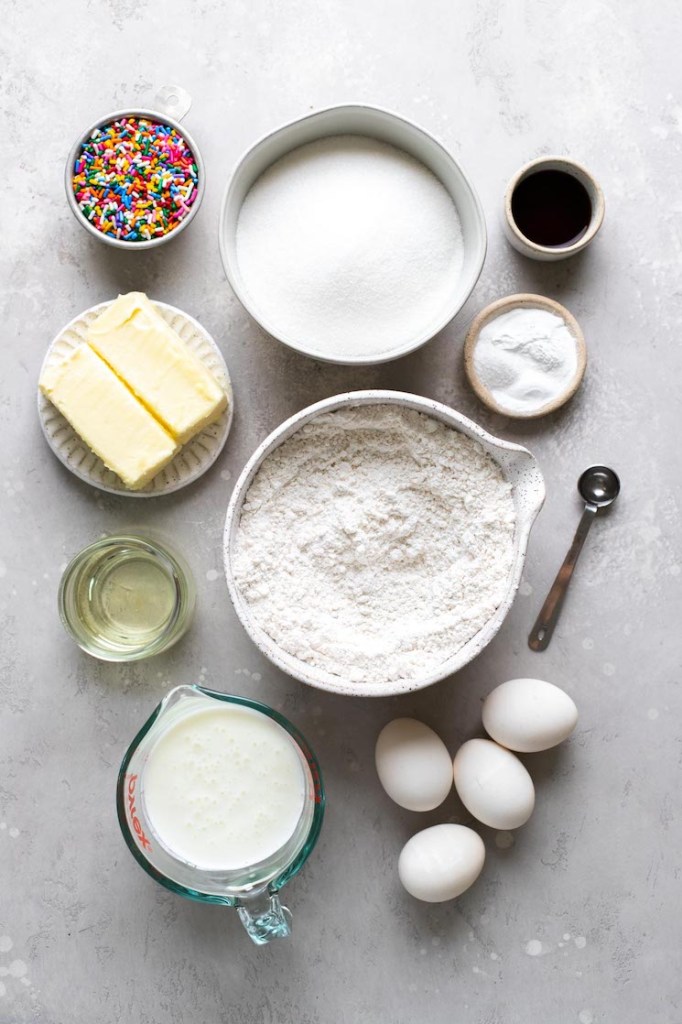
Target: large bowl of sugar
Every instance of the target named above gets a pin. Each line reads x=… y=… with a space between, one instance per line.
x=351 y=235
x=375 y=541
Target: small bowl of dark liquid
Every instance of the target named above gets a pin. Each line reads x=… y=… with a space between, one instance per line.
x=553 y=208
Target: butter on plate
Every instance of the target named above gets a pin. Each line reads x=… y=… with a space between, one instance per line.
x=145 y=351
x=108 y=417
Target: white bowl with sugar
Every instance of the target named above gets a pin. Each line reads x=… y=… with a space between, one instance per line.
x=311 y=535
x=351 y=235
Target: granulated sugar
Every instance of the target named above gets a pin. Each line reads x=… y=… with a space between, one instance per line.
x=375 y=542
x=349 y=246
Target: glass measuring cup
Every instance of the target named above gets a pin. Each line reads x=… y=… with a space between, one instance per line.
x=252 y=889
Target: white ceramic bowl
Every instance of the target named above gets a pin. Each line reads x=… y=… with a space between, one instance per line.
x=379 y=124
x=520 y=470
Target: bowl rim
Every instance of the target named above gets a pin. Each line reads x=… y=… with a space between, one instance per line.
x=155 y=115
x=585 y=177
x=325 y=680
x=231 y=268
x=523 y=300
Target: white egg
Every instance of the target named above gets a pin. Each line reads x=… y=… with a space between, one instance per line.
x=529 y=715
x=413 y=764
x=493 y=784
x=441 y=862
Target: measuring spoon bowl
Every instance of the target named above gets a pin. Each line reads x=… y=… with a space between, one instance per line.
x=599 y=486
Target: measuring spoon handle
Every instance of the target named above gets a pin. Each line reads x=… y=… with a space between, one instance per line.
x=541 y=633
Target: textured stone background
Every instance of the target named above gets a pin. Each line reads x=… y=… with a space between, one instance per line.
x=576 y=918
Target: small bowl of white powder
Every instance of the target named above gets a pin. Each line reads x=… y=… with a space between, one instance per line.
x=351 y=235
x=374 y=542
x=525 y=356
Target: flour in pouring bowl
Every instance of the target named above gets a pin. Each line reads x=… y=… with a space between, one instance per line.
x=349 y=247
x=375 y=542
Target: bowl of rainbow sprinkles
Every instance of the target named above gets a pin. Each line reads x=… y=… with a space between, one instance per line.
x=135 y=179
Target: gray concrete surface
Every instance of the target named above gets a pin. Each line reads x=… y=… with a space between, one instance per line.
x=577 y=920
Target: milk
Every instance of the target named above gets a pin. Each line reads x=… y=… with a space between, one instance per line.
x=224 y=788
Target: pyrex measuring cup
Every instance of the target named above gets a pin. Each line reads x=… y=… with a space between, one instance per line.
x=252 y=889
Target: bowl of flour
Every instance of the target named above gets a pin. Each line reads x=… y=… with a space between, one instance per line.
x=374 y=542
x=351 y=235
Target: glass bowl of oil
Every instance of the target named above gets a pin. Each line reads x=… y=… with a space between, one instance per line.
x=126 y=597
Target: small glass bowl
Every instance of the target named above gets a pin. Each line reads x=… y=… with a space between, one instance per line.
x=126 y=597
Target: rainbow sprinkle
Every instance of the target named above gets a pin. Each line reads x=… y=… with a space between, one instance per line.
x=135 y=179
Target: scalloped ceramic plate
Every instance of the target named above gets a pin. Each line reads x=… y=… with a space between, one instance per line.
x=192 y=460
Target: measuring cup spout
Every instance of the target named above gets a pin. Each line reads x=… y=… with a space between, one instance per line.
x=264 y=917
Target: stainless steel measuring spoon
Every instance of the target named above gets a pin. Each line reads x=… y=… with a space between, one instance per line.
x=599 y=487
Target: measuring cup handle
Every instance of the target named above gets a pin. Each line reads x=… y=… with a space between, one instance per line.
x=264 y=918
x=173 y=101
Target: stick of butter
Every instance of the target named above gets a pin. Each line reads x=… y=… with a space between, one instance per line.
x=108 y=417
x=138 y=344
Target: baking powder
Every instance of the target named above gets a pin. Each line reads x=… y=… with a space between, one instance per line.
x=526 y=359
x=349 y=246
x=375 y=542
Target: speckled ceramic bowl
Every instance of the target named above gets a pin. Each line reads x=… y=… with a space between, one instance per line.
x=523 y=300
x=528 y=490
x=545 y=253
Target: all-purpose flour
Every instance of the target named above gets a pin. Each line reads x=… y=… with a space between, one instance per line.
x=375 y=542
x=349 y=246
